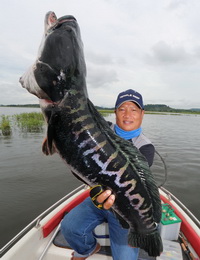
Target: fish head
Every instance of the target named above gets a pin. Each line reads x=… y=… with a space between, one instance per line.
x=60 y=65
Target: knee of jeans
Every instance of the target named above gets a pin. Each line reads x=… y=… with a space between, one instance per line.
x=70 y=226
x=67 y=226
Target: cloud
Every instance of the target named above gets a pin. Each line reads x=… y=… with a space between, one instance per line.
x=99 y=58
x=177 y=4
x=164 y=54
x=13 y=93
x=100 y=76
x=151 y=46
x=102 y=69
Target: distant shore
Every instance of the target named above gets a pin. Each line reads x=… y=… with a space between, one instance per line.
x=109 y=111
x=149 y=109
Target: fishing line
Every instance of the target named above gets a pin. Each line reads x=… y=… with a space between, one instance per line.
x=165 y=169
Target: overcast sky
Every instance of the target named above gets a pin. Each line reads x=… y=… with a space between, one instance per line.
x=151 y=46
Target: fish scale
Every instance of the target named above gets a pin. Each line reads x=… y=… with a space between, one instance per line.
x=83 y=138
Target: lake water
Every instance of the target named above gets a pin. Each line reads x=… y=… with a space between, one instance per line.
x=30 y=182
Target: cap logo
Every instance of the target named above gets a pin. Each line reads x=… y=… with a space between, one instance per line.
x=130 y=95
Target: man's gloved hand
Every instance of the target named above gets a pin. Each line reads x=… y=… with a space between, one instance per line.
x=102 y=199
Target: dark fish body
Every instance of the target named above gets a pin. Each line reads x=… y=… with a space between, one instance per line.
x=85 y=141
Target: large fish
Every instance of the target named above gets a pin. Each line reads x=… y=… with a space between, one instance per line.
x=84 y=139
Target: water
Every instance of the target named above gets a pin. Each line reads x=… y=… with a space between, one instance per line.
x=177 y=139
x=30 y=182
x=8 y=111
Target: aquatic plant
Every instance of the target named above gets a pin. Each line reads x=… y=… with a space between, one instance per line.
x=30 y=122
x=5 y=125
x=105 y=112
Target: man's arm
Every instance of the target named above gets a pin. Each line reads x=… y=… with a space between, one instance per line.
x=148 y=151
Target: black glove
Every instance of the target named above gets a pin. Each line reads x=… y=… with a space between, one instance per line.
x=94 y=193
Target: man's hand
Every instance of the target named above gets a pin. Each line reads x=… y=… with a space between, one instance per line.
x=102 y=199
x=106 y=195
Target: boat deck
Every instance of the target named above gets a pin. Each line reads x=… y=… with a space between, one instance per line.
x=60 y=241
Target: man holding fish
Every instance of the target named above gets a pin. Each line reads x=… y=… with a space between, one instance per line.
x=79 y=223
x=94 y=152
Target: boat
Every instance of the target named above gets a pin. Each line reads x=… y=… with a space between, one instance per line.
x=43 y=240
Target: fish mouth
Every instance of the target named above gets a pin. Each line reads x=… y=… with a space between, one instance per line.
x=66 y=18
x=46 y=102
x=60 y=21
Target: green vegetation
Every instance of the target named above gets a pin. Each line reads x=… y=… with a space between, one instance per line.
x=5 y=125
x=30 y=122
x=159 y=108
x=105 y=112
x=156 y=109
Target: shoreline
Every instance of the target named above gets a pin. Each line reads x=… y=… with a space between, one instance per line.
x=110 y=111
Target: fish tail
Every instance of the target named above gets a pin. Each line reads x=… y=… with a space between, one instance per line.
x=151 y=243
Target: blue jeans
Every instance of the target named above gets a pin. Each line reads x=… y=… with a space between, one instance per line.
x=78 y=225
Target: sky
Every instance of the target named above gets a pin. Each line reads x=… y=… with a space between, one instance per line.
x=150 y=46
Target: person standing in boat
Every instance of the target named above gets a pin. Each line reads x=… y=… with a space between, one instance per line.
x=78 y=225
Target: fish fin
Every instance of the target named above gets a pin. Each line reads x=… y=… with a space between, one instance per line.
x=151 y=242
x=48 y=146
x=50 y=135
x=155 y=196
x=46 y=149
x=79 y=177
x=144 y=172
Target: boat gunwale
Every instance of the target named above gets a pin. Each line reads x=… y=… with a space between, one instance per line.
x=181 y=205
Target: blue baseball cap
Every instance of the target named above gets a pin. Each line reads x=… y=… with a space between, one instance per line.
x=129 y=95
